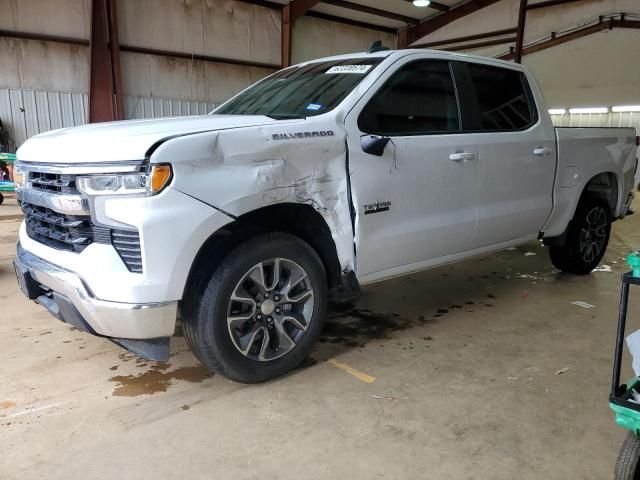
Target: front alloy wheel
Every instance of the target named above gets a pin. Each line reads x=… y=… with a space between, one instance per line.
x=258 y=313
x=270 y=309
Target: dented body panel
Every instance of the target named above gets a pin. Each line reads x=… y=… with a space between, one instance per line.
x=242 y=170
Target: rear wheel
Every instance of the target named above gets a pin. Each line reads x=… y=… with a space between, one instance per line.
x=1 y=199
x=628 y=464
x=258 y=315
x=587 y=238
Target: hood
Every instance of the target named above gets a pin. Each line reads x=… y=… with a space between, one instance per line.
x=121 y=141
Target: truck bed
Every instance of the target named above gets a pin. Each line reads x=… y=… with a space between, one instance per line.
x=582 y=154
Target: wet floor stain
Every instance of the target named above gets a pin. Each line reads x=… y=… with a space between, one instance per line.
x=157 y=379
x=7 y=404
x=356 y=327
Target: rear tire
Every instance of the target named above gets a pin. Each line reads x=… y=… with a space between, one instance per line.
x=628 y=464
x=587 y=238
x=260 y=312
x=1 y=199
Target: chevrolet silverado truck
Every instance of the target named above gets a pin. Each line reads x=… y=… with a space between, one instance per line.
x=335 y=173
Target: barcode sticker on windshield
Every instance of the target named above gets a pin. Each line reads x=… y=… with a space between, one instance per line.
x=360 y=69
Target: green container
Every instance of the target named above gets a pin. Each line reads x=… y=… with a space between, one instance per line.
x=7 y=157
x=627 y=417
x=634 y=262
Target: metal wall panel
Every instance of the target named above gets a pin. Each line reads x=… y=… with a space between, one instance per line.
x=27 y=112
x=623 y=119
x=145 y=107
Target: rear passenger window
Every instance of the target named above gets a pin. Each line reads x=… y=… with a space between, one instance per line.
x=418 y=99
x=503 y=99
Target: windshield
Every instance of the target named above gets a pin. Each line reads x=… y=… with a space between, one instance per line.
x=303 y=91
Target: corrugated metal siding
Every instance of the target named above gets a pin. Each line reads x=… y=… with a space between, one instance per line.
x=28 y=112
x=145 y=107
x=625 y=119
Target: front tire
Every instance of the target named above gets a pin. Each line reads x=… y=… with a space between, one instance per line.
x=260 y=312
x=587 y=238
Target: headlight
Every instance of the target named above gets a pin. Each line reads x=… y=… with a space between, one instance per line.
x=150 y=183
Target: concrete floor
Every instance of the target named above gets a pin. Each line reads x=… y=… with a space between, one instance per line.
x=454 y=373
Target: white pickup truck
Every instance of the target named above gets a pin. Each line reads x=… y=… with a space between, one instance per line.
x=322 y=177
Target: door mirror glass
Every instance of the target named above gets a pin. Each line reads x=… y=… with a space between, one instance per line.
x=373 y=145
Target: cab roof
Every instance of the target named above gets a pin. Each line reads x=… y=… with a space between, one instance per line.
x=413 y=51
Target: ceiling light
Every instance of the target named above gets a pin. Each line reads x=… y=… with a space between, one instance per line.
x=589 y=110
x=421 y=3
x=557 y=111
x=626 y=108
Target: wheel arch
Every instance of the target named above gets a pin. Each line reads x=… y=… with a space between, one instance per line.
x=605 y=187
x=300 y=220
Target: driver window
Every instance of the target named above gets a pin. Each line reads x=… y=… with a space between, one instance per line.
x=418 y=99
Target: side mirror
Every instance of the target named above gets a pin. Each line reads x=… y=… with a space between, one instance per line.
x=373 y=145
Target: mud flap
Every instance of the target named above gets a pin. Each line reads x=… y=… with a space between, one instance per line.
x=156 y=349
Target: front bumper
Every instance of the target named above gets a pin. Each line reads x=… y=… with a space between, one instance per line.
x=66 y=296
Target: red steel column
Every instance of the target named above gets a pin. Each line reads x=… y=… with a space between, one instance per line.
x=105 y=86
x=522 y=18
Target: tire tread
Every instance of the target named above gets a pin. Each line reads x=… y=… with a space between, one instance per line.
x=628 y=460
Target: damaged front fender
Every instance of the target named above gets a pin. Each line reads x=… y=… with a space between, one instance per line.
x=241 y=170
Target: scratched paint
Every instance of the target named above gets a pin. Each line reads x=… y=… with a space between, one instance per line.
x=259 y=172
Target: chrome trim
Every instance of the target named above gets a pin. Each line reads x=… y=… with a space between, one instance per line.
x=82 y=168
x=61 y=203
x=111 y=319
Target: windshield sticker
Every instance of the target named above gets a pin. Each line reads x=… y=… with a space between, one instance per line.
x=359 y=69
x=313 y=106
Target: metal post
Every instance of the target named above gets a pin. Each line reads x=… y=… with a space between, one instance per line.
x=622 y=320
x=105 y=85
x=522 y=18
x=287 y=33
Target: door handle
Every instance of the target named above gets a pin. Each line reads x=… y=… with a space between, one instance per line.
x=462 y=156
x=541 y=152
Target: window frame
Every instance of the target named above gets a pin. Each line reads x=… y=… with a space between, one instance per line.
x=469 y=98
x=417 y=134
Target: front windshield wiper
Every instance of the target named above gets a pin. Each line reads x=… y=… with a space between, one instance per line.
x=284 y=116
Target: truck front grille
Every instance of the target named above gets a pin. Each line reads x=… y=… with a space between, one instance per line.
x=75 y=233
x=63 y=232
x=53 y=182
x=127 y=244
